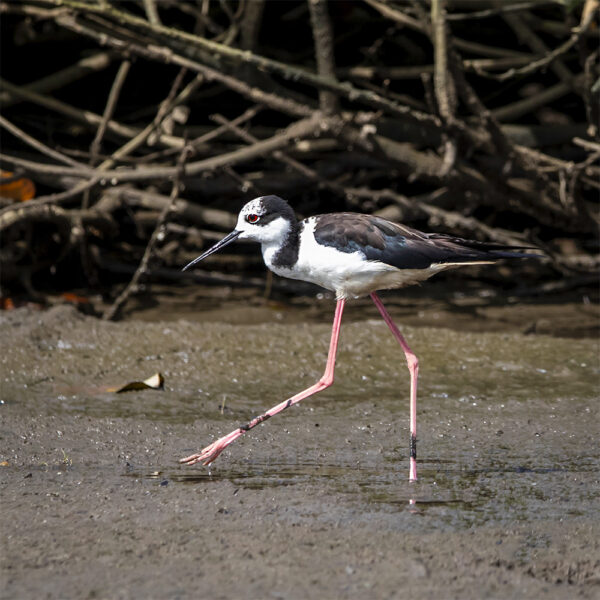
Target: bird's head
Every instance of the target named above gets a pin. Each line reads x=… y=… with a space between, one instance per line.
x=266 y=220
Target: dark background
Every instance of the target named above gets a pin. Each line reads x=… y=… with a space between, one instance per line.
x=537 y=167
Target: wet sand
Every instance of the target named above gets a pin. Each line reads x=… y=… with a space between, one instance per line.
x=315 y=502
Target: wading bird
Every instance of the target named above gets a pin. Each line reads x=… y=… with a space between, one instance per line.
x=352 y=255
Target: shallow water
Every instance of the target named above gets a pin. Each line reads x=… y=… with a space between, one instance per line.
x=508 y=436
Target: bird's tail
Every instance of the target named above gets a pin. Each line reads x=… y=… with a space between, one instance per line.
x=484 y=251
x=498 y=254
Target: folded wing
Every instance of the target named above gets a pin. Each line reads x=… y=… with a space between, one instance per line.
x=403 y=247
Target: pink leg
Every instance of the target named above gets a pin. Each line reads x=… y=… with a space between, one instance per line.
x=413 y=367
x=211 y=452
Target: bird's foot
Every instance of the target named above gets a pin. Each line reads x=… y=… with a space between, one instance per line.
x=208 y=454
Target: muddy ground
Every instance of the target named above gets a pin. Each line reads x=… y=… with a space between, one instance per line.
x=315 y=502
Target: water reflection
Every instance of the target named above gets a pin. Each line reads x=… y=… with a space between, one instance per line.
x=452 y=497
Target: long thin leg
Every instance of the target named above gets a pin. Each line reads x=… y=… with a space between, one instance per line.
x=211 y=452
x=413 y=367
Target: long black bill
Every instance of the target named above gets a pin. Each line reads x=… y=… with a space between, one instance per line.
x=226 y=240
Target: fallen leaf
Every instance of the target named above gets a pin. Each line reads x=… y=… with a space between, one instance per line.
x=6 y=303
x=156 y=382
x=20 y=189
x=74 y=298
x=4 y=463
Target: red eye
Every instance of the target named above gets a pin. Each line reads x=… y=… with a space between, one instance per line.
x=252 y=218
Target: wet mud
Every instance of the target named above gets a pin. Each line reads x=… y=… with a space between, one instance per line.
x=315 y=502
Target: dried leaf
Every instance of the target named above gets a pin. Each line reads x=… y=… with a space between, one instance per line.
x=74 y=298
x=6 y=303
x=156 y=382
x=21 y=189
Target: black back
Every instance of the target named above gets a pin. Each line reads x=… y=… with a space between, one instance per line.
x=401 y=246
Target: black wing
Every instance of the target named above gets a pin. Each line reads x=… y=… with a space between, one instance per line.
x=401 y=246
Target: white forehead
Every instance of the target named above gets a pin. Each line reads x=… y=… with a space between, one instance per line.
x=254 y=207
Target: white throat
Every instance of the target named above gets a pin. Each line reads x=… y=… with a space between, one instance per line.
x=272 y=238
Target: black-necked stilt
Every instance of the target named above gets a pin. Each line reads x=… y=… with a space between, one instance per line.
x=350 y=254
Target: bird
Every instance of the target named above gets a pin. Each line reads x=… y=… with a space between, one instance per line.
x=352 y=255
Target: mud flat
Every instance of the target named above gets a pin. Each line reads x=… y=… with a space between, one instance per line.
x=315 y=502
